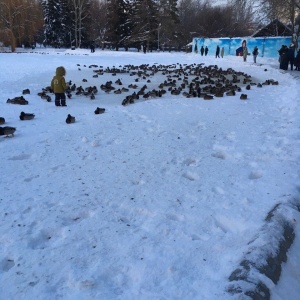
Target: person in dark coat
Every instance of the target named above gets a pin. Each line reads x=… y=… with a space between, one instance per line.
x=291 y=55
x=284 y=59
x=92 y=47
x=218 y=52
x=297 y=61
x=196 y=48
x=280 y=52
x=255 y=53
x=202 y=50
x=206 y=50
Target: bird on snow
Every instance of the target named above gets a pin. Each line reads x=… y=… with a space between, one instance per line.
x=26 y=116
x=70 y=119
x=7 y=130
x=99 y=110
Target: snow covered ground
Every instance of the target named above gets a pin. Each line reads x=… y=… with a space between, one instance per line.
x=160 y=199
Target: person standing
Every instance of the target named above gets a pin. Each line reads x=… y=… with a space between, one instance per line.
x=280 y=52
x=297 y=61
x=218 y=51
x=291 y=55
x=196 y=48
x=59 y=86
x=202 y=50
x=284 y=59
x=255 y=53
x=222 y=52
x=92 y=47
x=245 y=50
x=206 y=50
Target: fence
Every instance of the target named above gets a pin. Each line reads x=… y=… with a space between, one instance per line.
x=267 y=47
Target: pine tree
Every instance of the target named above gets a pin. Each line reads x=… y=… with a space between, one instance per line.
x=56 y=22
x=145 y=19
x=169 y=21
x=119 y=25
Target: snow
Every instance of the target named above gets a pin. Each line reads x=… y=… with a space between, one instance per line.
x=160 y=199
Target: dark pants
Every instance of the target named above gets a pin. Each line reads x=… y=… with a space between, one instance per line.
x=60 y=99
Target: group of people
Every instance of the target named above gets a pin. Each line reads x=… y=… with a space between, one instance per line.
x=287 y=57
x=244 y=51
x=218 y=52
x=203 y=50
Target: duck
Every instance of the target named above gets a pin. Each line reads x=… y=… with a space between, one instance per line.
x=230 y=93
x=46 y=97
x=17 y=100
x=7 y=130
x=208 y=97
x=2 y=120
x=70 y=119
x=26 y=116
x=26 y=92
x=243 y=97
x=92 y=96
x=99 y=110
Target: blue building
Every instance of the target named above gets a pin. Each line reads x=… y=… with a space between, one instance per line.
x=266 y=39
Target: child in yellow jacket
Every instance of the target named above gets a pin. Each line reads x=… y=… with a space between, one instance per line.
x=59 y=86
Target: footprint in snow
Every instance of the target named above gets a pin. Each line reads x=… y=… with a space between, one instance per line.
x=255 y=175
x=190 y=161
x=20 y=157
x=220 y=154
x=191 y=176
x=6 y=264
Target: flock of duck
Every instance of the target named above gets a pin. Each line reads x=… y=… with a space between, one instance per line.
x=190 y=81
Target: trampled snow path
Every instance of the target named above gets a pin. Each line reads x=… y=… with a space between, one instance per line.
x=158 y=199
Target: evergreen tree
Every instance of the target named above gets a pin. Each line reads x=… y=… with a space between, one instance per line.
x=144 y=16
x=169 y=22
x=56 y=22
x=119 y=25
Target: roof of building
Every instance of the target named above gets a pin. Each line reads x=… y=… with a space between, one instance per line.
x=275 y=28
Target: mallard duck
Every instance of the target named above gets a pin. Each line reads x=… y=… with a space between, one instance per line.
x=17 y=100
x=92 y=96
x=99 y=110
x=124 y=89
x=70 y=119
x=230 y=93
x=219 y=94
x=118 y=91
x=243 y=97
x=26 y=116
x=26 y=92
x=2 y=121
x=208 y=97
x=7 y=130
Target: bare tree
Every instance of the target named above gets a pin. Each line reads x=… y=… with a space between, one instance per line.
x=80 y=11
